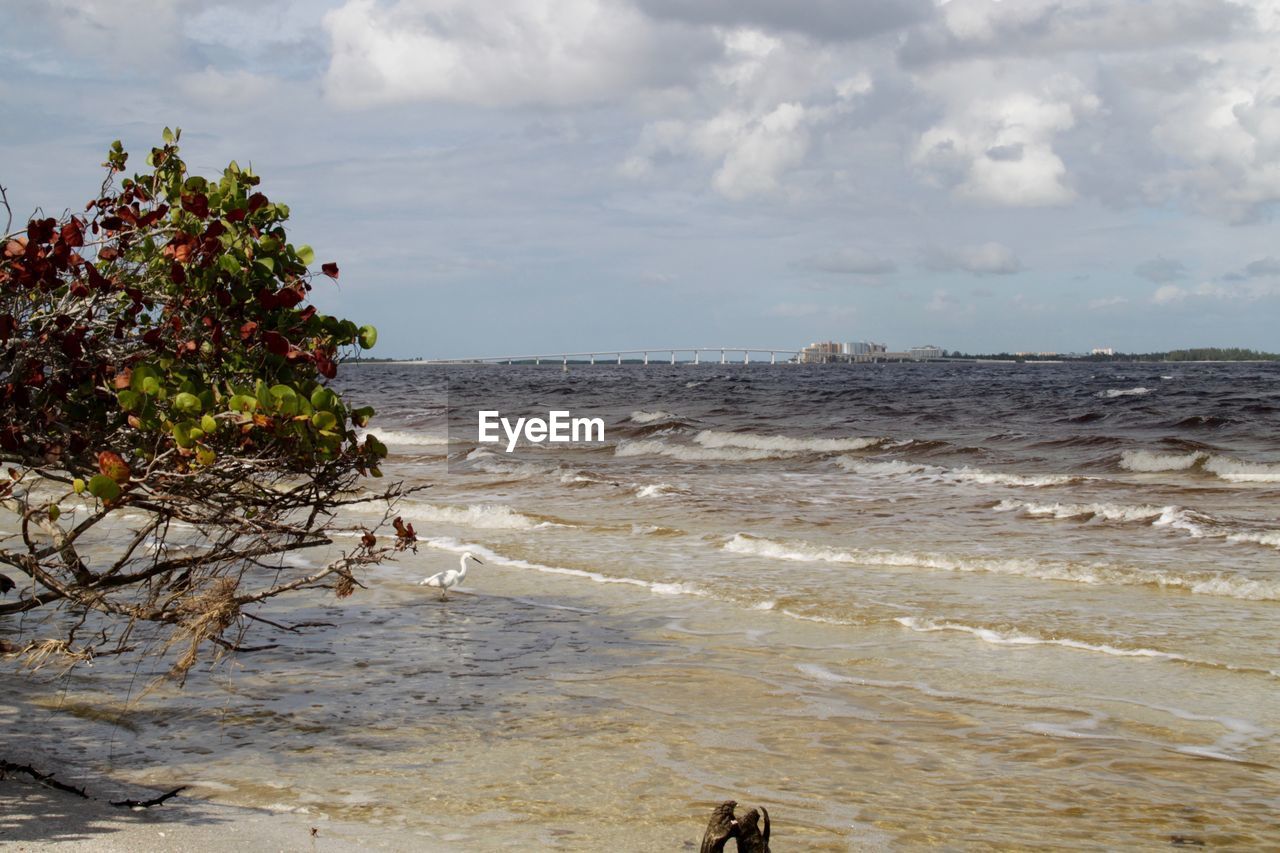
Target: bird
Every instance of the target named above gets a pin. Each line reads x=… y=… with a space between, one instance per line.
x=450 y=578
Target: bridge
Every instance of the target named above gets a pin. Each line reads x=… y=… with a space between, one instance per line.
x=669 y=355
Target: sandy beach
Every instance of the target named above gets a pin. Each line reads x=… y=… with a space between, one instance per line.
x=33 y=817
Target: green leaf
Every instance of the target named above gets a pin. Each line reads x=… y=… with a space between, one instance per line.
x=323 y=398
x=130 y=400
x=54 y=512
x=78 y=486
x=368 y=336
x=324 y=420
x=307 y=255
x=209 y=424
x=167 y=136
x=188 y=403
x=151 y=386
x=103 y=487
x=242 y=403
x=361 y=416
x=228 y=263
x=267 y=264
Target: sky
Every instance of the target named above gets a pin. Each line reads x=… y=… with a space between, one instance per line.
x=535 y=176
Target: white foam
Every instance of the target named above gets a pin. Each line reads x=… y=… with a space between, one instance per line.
x=1112 y=393
x=1201 y=583
x=1196 y=524
x=1237 y=471
x=406 y=438
x=642 y=417
x=656 y=490
x=692 y=453
x=1144 y=461
x=783 y=443
x=935 y=473
x=478 y=516
x=657 y=587
x=1223 y=467
x=1014 y=638
x=1104 y=511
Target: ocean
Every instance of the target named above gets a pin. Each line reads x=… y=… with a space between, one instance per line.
x=904 y=605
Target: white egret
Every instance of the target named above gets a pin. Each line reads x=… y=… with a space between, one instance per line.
x=450 y=578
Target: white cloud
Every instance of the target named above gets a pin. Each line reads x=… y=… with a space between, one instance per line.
x=850 y=261
x=527 y=52
x=984 y=259
x=998 y=148
x=1253 y=291
x=1107 y=302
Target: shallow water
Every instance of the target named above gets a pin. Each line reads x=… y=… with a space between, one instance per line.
x=905 y=605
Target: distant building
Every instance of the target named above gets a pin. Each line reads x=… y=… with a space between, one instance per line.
x=861 y=348
x=926 y=351
x=1104 y=351
x=821 y=352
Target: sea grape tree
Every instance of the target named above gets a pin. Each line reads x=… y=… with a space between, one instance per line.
x=167 y=429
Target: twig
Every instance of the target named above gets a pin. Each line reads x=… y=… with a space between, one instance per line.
x=154 y=801
x=4 y=199
x=43 y=778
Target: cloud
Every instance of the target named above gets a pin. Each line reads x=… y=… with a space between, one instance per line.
x=1034 y=28
x=998 y=149
x=1268 y=266
x=819 y=19
x=1172 y=294
x=557 y=52
x=1107 y=302
x=984 y=259
x=1161 y=269
x=850 y=261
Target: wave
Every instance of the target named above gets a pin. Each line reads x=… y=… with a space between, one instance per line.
x=1200 y=583
x=406 y=438
x=937 y=473
x=1198 y=524
x=655 y=490
x=1015 y=638
x=454 y=546
x=1223 y=467
x=1144 y=461
x=479 y=516
x=642 y=417
x=1112 y=393
x=782 y=443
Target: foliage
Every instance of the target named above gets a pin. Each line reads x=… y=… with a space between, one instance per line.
x=158 y=357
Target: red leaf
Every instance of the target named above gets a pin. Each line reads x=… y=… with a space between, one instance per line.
x=197 y=204
x=276 y=343
x=73 y=233
x=111 y=465
x=247 y=330
x=257 y=201
x=330 y=269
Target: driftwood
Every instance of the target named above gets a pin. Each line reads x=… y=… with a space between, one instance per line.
x=746 y=831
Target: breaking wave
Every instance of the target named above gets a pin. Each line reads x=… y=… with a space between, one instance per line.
x=406 y=438
x=650 y=417
x=1196 y=524
x=479 y=516
x=938 y=473
x=715 y=446
x=1016 y=638
x=1223 y=467
x=1112 y=393
x=1202 y=583
x=454 y=546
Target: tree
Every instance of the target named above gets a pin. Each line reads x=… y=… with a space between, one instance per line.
x=167 y=432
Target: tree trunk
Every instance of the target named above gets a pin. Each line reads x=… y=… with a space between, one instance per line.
x=746 y=831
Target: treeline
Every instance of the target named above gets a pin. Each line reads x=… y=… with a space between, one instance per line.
x=1197 y=354
x=1215 y=354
